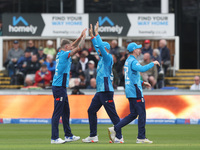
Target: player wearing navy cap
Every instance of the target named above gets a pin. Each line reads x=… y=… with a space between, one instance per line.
x=133 y=90
x=105 y=91
x=60 y=82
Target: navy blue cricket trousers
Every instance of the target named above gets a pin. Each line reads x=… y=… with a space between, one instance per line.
x=137 y=107
x=61 y=108
x=105 y=99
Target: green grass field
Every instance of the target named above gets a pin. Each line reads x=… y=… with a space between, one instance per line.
x=33 y=137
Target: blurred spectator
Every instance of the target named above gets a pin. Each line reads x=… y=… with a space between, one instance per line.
x=115 y=79
x=114 y=48
x=23 y=60
x=43 y=77
x=196 y=85
x=76 y=91
x=32 y=48
x=51 y=64
x=74 y=82
x=91 y=72
x=90 y=57
x=164 y=54
x=41 y=56
x=140 y=57
x=147 y=48
x=1 y=30
x=73 y=70
x=49 y=50
x=152 y=74
x=156 y=56
x=13 y=56
x=117 y=71
x=160 y=80
x=122 y=55
x=92 y=84
x=91 y=49
x=31 y=69
x=122 y=81
x=83 y=49
x=82 y=84
x=82 y=64
x=117 y=66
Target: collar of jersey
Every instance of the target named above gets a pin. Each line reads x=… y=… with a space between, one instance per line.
x=61 y=50
x=132 y=56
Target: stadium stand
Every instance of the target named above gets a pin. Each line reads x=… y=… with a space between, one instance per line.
x=184 y=78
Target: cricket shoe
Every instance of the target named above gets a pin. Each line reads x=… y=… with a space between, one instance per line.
x=57 y=141
x=90 y=139
x=71 y=138
x=144 y=141
x=119 y=140
x=111 y=133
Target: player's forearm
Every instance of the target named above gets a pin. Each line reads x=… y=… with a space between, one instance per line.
x=101 y=47
x=103 y=52
x=75 y=43
x=140 y=68
x=99 y=40
x=95 y=44
x=79 y=47
x=96 y=32
x=74 y=51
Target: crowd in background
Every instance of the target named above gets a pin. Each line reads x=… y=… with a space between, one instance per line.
x=32 y=66
x=36 y=66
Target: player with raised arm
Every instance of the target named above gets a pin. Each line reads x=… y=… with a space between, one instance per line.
x=105 y=91
x=59 y=85
x=133 y=90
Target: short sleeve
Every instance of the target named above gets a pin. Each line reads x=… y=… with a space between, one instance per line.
x=66 y=54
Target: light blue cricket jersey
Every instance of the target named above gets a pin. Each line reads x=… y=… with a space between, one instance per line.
x=62 y=71
x=104 y=76
x=133 y=84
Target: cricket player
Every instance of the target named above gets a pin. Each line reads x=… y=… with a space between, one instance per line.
x=59 y=85
x=133 y=90
x=105 y=91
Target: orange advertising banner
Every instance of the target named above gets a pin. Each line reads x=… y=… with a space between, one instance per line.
x=157 y=106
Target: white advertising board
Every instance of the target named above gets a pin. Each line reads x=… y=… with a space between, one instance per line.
x=64 y=24
x=151 y=25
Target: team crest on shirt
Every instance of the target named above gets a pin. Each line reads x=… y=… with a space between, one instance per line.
x=138 y=64
x=59 y=99
x=127 y=82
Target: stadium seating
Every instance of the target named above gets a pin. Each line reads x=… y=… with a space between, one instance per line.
x=5 y=82
x=183 y=79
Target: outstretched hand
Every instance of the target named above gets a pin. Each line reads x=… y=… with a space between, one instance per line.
x=82 y=42
x=147 y=84
x=156 y=63
x=79 y=43
x=91 y=31
x=96 y=28
x=83 y=32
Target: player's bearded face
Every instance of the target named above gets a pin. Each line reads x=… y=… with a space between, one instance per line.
x=69 y=47
x=72 y=47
